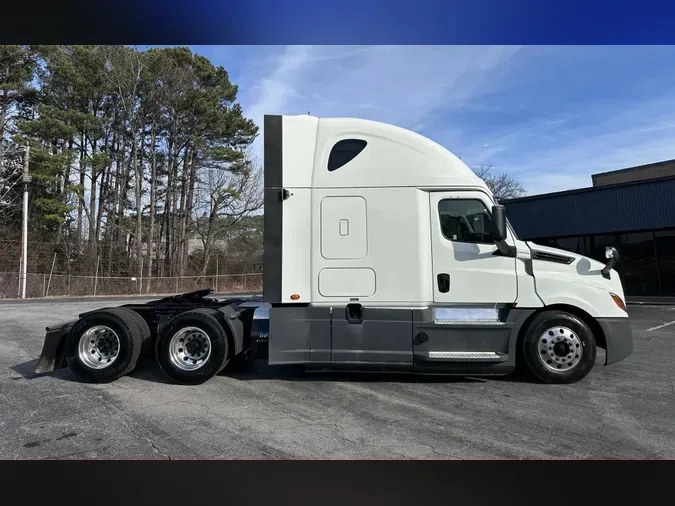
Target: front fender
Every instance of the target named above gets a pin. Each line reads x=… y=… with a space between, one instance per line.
x=595 y=301
x=553 y=300
x=53 y=356
x=613 y=321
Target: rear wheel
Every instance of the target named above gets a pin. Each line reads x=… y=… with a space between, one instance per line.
x=105 y=345
x=558 y=347
x=146 y=335
x=193 y=346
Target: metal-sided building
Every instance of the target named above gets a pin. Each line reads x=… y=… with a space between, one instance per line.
x=632 y=209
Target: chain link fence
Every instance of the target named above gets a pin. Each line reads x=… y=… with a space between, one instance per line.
x=62 y=285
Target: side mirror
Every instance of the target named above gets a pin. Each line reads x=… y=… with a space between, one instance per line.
x=611 y=253
x=612 y=256
x=499 y=220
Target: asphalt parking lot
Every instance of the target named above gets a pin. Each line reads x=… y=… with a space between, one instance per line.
x=626 y=410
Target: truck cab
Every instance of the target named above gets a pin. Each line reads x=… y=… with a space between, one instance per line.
x=383 y=250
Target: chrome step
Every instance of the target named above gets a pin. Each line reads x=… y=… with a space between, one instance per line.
x=467 y=355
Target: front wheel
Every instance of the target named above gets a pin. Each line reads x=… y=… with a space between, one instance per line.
x=558 y=347
x=193 y=346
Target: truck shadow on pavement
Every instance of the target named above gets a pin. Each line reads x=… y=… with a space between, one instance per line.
x=147 y=370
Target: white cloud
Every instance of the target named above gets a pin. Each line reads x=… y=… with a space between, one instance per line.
x=278 y=88
x=549 y=116
x=553 y=155
x=403 y=85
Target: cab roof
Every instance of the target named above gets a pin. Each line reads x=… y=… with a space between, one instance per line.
x=353 y=152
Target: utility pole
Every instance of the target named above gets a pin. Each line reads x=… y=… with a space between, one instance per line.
x=26 y=183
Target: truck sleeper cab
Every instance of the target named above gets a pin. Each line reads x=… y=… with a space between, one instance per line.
x=384 y=251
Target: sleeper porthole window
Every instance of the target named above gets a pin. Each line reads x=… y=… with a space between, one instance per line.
x=344 y=152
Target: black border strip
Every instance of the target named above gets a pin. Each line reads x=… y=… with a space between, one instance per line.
x=481 y=483
x=273 y=208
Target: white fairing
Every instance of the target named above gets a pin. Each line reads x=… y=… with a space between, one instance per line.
x=370 y=231
x=394 y=157
x=297 y=246
x=390 y=249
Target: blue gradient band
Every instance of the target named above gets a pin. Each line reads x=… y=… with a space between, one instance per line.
x=341 y=22
x=416 y=22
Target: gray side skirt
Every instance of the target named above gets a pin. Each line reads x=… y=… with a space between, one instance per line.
x=436 y=339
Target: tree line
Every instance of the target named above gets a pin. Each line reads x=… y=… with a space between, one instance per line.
x=141 y=159
x=141 y=162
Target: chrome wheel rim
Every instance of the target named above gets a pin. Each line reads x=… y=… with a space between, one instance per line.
x=189 y=348
x=560 y=349
x=98 y=347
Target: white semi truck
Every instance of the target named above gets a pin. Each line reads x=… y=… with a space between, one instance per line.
x=382 y=251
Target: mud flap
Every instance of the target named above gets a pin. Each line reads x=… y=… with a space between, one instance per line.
x=53 y=357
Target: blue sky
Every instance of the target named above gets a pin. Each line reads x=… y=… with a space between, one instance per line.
x=550 y=116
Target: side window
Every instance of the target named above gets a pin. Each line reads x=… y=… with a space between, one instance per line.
x=344 y=152
x=465 y=221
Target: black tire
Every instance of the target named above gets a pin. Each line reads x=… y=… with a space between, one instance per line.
x=558 y=370
x=145 y=333
x=210 y=322
x=129 y=333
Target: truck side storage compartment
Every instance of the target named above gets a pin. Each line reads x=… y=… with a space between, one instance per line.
x=371 y=336
x=289 y=341
x=299 y=334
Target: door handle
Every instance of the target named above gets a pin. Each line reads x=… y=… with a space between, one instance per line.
x=354 y=313
x=443 y=282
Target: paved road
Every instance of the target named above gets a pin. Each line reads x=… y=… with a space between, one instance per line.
x=623 y=410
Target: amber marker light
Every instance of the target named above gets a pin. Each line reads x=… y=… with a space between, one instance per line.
x=617 y=300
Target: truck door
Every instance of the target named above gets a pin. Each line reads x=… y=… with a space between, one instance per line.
x=472 y=282
x=467 y=267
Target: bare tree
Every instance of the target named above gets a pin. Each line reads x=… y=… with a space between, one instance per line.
x=125 y=67
x=225 y=197
x=124 y=143
x=10 y=189
x=502 y=185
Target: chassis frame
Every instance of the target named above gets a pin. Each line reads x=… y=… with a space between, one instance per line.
x=157 y=313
